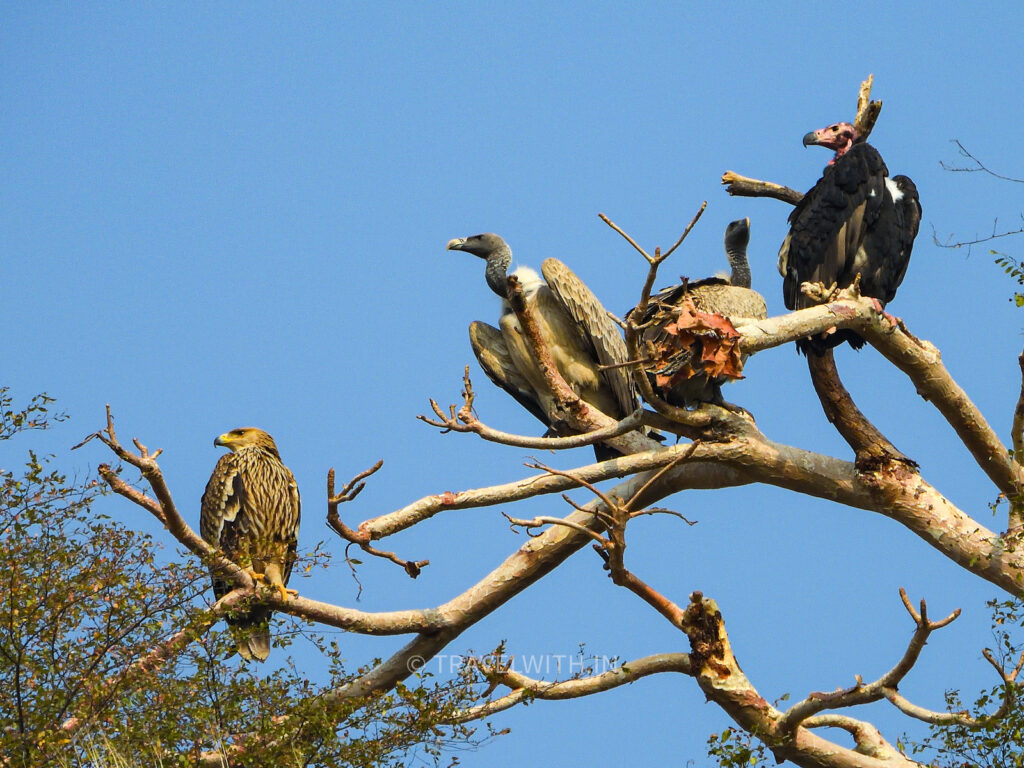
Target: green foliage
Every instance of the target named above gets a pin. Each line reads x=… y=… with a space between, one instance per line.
x=993 y=743
x=85 y=599
x=733 y=748
x=1013 y=268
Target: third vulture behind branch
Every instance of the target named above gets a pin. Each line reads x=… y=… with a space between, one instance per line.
x=855 y=220
x=688 y=338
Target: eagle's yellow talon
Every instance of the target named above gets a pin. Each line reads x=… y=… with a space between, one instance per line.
x=285 y=591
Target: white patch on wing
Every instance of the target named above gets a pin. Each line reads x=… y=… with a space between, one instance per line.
x=894 y=190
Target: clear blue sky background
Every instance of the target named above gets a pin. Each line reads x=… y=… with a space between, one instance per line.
x=223 y=215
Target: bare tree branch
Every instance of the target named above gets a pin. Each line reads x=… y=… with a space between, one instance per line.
x=525 y=688
x=869 y=444
x=466 y=421
x=742 y=186
x=867 y=110
x=866 y=693
x=978 y=165
x=360 y=539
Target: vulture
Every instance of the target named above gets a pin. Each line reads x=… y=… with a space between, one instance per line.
x=679 y=366
x=854 y=221
x=579 y=333
x=250 y=512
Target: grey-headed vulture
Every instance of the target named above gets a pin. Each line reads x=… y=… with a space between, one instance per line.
x=855 y=220
x=574 y=324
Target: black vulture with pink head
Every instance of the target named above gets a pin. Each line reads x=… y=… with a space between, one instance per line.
x=855 y=221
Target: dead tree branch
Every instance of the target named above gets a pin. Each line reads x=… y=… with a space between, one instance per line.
x=349 y=492
x=979 y=167
x=465 y=420
x=872 y=448
x=862 y=693
x=523 y=688
x=743 y=186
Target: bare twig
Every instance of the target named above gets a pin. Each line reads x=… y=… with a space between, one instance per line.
x=537 y=522
x=466 y=421
x=978 y=165
x=360 y=539
x=690 y=226
x=525 y=688
x=627 y=238
x=996 y=234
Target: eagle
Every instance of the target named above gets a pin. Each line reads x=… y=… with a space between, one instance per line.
x=250 y=512
x=854 y=221
x=584 y=342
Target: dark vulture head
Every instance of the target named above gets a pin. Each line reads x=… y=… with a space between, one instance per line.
x=737 y=235
x=494 y=250
x=838 y=136
x=479 y=245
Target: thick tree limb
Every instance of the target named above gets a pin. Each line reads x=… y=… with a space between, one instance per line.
x=871 y=447
x=918 y=359
x=699 y=474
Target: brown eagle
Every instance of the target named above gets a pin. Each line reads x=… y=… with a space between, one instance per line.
x=250 y=511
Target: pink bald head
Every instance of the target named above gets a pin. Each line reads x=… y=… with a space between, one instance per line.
x=838 y=136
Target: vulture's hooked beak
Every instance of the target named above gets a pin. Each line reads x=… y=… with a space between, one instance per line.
x=811 y=138
x=456 y=244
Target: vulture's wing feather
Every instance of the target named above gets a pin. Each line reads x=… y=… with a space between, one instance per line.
x=600 y=330
x=908 y=221
x=492 y=353
x=828 y=227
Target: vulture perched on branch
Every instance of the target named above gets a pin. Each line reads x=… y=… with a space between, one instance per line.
x=854 y=221
x=250 y=511
x=574 y=325
x=687 y=330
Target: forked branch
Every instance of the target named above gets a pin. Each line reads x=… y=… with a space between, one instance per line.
x=865 y=693
x=465 y=420
x=360 y=539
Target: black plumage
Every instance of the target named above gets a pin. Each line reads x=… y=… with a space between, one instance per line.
x=854 y=221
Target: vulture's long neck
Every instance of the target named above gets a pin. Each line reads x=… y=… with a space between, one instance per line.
x=737 y=255
x=497 y=269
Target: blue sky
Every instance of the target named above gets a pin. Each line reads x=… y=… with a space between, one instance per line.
x=219 y=215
